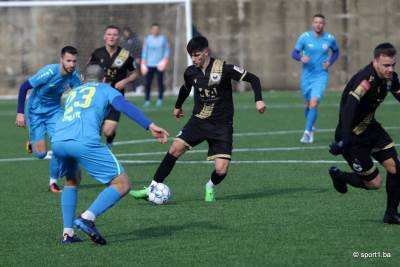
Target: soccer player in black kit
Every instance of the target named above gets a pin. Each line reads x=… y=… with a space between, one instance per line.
x=119 y=70
x=359 y=137
x=212 y=117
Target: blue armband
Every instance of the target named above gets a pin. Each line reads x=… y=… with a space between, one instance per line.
x=334 y=56
x=296 y=55
x=23 y=90
x=130 y=110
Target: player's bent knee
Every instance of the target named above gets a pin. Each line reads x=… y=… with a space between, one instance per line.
x=39 y=155
x=375 y=183
x=392 y=166
x=122 y=184
x=108 y=132
x=177 y=149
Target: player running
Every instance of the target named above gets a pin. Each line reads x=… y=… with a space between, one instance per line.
x=312 y=49
x=44 y=105
x=359 y=137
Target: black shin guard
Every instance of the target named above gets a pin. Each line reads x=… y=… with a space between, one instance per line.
x=110 y=139
x=393 y=192
x=352 y=179
x=165 y=168
x=216 y=179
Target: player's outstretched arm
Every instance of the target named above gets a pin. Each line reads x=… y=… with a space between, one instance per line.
x=23 y=90
x=159 y=133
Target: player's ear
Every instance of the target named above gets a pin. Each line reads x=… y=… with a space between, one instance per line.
x=103 y=80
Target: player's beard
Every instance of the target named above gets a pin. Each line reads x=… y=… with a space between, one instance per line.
x=68 y=70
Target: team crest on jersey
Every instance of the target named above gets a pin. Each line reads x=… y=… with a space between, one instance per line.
x=324 y=46
x=357 y=167
x=238 y=69
x=388 y=85
x=215 y=77
x=118 y=62
x=311 y=45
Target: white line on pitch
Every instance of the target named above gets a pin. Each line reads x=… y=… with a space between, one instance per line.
x=239 y=161
x=151 y=140
x=234 y=150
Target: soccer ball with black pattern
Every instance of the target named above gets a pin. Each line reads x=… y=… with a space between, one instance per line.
x=159 y=194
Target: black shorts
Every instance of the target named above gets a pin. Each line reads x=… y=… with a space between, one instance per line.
x=114 y=115
x=375 y=143
x=218 y=137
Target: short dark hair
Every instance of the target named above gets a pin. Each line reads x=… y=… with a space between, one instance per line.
x=386 y=49
x=93 y=72
x=155 y=24
x=127 y=29
x=112 y=27
x=319 y=15
x=196 y=44
x=69 y=49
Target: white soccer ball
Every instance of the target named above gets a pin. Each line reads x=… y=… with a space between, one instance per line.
x=159 y=194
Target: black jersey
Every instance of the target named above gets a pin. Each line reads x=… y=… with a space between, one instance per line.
x=116 y=67
x=361 y=97
x=213 y=90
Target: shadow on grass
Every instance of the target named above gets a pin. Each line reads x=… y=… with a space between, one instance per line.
x=271 y=192
x=162 y=231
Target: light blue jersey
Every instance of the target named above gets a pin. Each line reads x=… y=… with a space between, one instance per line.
x=155 y=49
x=314 y=77
x=44 y=104
x=77 y=134
x=48 y=86
x=85 y=109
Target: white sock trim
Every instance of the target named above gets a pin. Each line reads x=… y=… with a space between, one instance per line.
x=52 y=181
x=210 y=184
x=88 y=215
x=69 y=231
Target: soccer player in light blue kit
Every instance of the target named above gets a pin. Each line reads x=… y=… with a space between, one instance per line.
x=44 y=104
x=77 y=141
x=312 y=49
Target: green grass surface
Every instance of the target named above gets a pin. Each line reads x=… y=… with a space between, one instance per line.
x=267 y=213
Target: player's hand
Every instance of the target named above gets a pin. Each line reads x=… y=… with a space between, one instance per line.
x=143 y=69
x=305 y=59
x=20 y=120
x=336 y=148
x=260 y=106
x=326 y=65
x=120 y=85
x=159 y=133
x=162 y=65
x=178 y=113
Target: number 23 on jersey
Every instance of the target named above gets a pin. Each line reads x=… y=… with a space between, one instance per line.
x=76 y=101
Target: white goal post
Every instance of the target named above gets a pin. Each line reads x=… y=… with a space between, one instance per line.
x=180 y=19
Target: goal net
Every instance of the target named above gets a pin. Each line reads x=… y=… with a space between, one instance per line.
x=34 y=32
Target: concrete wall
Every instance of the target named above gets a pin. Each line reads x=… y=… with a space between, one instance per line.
x=256 y=34
x=260 y=34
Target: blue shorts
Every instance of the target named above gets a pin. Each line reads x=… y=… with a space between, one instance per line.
x=314 y=87
x=41 y=125
x=96 y=159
